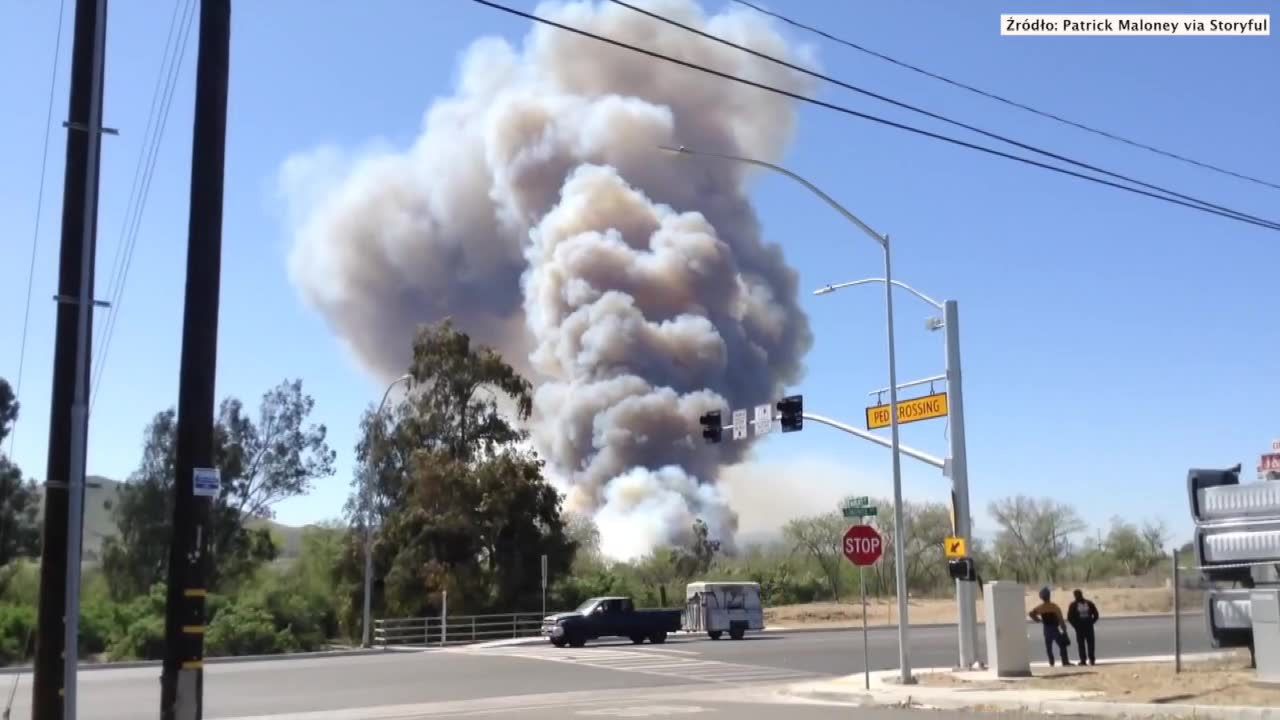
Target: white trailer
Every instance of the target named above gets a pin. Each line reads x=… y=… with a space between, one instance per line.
x=719 y=607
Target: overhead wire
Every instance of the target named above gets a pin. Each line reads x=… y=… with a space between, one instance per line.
x=922 y=111
x=172 y=56
x=1012 y=103
x=35 y=233
x=1230 y=214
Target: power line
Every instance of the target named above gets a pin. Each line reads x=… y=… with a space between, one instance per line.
x=1232 y=215
x=922 y=111
x=35 y=233
x=161 y=101
x=1007 y=101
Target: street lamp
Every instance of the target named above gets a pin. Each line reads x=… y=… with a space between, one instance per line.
x=368 y=524
x=899 y=540
x=958 y=469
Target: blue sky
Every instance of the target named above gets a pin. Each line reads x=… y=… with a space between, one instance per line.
x=1110 y=341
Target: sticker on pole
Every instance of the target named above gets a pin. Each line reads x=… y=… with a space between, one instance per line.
x=206 y=482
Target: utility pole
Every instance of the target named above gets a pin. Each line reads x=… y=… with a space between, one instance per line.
x=53 y=691
x=196 y=484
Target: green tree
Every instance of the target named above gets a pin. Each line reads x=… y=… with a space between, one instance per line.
x=1136 y=550
x=1034 y=538
x=460 y=506
x=261 y=462
x=820 y=538
x=19 y=498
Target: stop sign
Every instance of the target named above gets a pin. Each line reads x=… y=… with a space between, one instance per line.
x=862 y=545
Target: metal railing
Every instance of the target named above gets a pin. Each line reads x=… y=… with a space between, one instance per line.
x=455 y=629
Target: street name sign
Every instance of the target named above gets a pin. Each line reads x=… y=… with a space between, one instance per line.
x=909 y=411
x=863 y=545
x=860 y=511
x=955 y=548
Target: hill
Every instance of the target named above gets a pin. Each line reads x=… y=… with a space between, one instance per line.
x=102 y=495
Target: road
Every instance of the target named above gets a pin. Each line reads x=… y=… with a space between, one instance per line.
x=526 y=680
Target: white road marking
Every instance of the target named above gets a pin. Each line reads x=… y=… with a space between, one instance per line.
x=655 y=662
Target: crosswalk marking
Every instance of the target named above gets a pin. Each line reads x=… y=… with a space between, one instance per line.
x=652 y=661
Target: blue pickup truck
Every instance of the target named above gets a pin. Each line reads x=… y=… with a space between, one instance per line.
x=609 y=617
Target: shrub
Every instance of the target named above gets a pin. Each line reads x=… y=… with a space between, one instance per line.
x=246 y=629
x=17 y=636
x=20 y=583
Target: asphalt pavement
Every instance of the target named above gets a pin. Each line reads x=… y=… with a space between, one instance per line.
x=434 y=681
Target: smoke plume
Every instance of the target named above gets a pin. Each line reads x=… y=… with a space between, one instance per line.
x=632 y=286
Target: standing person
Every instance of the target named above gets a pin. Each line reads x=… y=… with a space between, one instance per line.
x=1050 y=615
x=1082 y=616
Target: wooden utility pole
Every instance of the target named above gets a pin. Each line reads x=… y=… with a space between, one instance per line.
x=196 y=484
x=54 y=686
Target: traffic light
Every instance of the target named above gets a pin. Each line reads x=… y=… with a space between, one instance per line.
x=962 y=569
x=792 y=409
x=712 y=427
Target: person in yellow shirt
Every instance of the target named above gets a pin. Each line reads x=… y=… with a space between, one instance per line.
x=1048 y=614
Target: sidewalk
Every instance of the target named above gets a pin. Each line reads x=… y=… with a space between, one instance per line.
x=971 y=690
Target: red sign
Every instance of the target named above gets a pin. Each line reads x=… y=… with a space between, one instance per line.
x=1270 y=463
x=862 y=545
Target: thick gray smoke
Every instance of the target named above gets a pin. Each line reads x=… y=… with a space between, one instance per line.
x=536 y=211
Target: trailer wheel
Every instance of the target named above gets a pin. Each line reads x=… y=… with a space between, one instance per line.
x=658 y=638
x=715 y=634
x=737 y=633
x=637 y=639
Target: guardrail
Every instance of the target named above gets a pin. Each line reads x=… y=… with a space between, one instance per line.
x=455 y=629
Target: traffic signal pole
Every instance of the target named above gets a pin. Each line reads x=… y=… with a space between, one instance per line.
x=182 y=678
x=966 y=592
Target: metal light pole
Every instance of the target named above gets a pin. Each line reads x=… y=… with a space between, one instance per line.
x=966 y=599
x=367 y=622
x=899 y=535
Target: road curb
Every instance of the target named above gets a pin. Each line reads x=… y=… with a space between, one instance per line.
x=225 y=659
x=1008 y=700
x=936 y=626
x=1088 y=708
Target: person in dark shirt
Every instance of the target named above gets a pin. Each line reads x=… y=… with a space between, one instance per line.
x=1082 y=615
x=1050 y=615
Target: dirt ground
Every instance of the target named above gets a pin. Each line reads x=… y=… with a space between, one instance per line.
x=923 y=611
x=1217 y=682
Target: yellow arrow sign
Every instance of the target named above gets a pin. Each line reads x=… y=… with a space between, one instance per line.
x=955 y=547
x=909 y=411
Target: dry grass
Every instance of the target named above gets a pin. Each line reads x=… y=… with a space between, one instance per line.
x=1110 y=601
x=1217 y=682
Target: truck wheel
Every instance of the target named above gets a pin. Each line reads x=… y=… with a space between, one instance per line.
x=737 y=633
x=558 y=642
x=637 y=639
x=577 y=641
x=658 y=638
x=715 y=634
